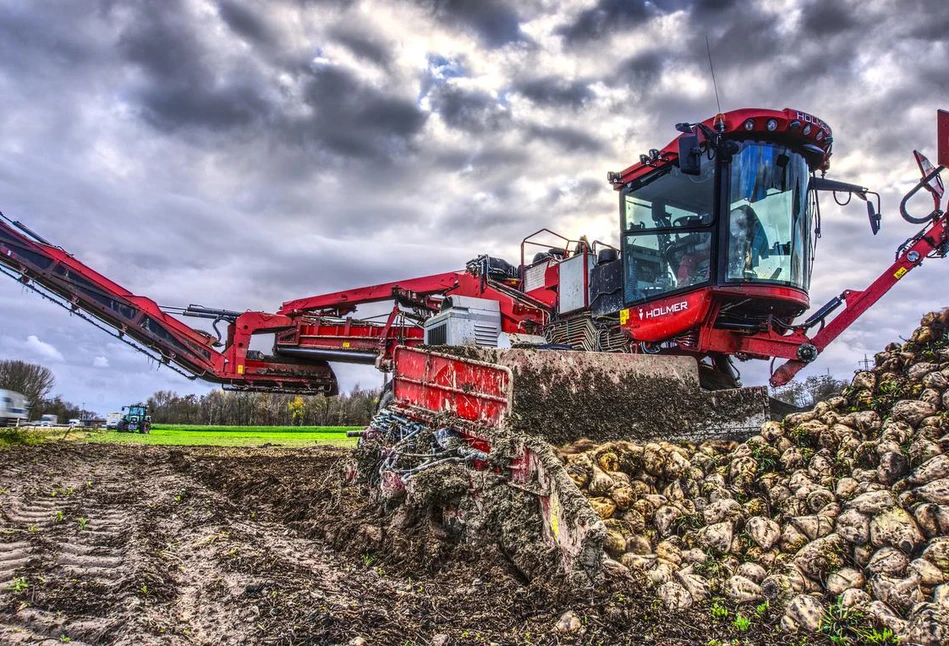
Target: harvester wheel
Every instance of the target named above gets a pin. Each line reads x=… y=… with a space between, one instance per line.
x=145 y=428
x=386 y=397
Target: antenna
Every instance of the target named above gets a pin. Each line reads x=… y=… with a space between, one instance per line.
x=712 y=68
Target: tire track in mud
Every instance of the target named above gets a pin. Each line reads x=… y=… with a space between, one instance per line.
x=232 y=575
x=147 y=552
x=13 y=556
x=127 y=550
x=71 y=563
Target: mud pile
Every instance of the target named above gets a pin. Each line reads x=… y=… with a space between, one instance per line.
x=842 y=507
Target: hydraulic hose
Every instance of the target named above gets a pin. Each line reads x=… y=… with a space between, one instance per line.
x=923 y=183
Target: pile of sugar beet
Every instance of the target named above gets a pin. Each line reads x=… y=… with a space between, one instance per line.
x=846 y=504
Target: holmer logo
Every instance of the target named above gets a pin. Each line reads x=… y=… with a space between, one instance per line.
x=656 y=312
x=808 y=118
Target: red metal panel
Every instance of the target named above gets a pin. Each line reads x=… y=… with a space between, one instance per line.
x=666 y=317
x=347 y=335
x=943 y=138
x=440 y=383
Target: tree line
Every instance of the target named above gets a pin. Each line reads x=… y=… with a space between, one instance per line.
x=217 y=407
x=232 y=408
x=36 y=383
x=805 y=394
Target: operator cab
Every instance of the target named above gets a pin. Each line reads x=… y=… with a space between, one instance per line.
x=722 y=223
x=136 y=411
x=745 y=221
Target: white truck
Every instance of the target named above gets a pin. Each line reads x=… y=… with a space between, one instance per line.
x=14 y=408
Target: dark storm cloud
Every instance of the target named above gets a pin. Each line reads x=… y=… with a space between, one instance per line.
x=606 y=17
x=488 y=221
x=353 y=118
x=555 y=91
x=644 y=68
x=935 y=74
x=749 y=46
x=490 y=158
x=245 y=22
x=704 y=9
x=162 y=40
x=227 y=105
x=362 y=45
x=928 y=20
x=365 y=266
x=748 y=37
x=588 y=188
x=566 y=138
x=494 y=21
x=181 y=87
x=468 y=110
x=30 y=41
x=185 y=84
x=827 y=19
x=584 y=191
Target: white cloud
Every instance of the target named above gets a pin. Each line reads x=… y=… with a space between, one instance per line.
x=42 y=349
x=100 y=362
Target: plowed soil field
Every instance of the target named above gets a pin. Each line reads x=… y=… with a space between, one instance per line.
x=110 y=544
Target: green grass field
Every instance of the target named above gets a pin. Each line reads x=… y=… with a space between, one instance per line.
x=190 y=435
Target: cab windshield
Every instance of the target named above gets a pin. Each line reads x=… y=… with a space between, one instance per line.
x=673 y=241
x=769 y=217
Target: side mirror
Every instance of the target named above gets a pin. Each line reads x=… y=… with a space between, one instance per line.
x=863 y=193
x=690 y=154
x=874 y=218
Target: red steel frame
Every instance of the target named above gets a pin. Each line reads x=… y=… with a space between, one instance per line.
x=309 y=324
x=321 y=324
x=471 y=390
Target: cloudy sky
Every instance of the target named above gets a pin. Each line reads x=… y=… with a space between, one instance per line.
x=240 y=154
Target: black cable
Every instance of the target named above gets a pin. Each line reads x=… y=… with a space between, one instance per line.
x=839 y=203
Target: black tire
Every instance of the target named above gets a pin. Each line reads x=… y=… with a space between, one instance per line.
x=386 y=398
x=145 y=428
